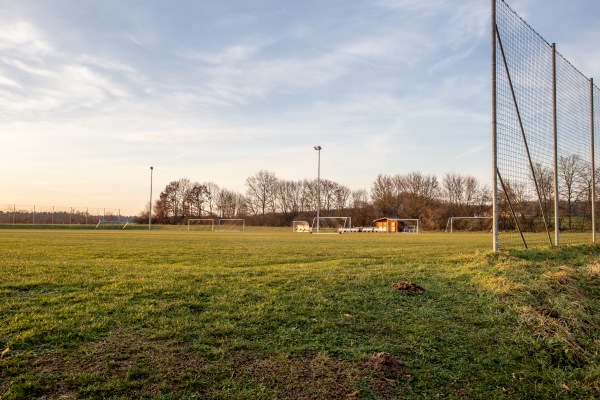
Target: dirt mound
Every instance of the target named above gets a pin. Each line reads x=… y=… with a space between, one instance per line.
x=408 y=287
x=388 y=365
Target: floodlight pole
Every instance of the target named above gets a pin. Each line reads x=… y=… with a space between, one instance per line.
x=150 y=209
x=318 y=149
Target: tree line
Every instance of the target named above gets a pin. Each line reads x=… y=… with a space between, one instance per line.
x=575 y=194
x=272 y=201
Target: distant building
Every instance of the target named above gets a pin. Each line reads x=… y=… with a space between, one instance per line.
x=394 y=225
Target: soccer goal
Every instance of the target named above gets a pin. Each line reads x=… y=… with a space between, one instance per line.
x=111 y=224
x=201 y=224
x=231 y=225
x=301 y=226
x=469 y=224
x=331 y=224
x=409 y=225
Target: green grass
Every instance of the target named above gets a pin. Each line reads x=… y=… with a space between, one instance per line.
x=268 y=313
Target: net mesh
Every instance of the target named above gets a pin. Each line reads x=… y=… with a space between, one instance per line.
x=525 y=139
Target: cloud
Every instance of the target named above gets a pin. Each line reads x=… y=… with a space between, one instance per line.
x=229 y=55
x=106 y=64
x=47 y=79
x=473 y=150
x=23 y=36
x=20 y=65
x=9 y=82
x=413 y=4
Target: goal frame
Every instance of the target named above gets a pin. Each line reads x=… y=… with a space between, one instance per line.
x=451 y=220
x=404 y=220
x=212 y=222
x=115 y=223
x=346 y=225
x=220 y=225
x=305 y=224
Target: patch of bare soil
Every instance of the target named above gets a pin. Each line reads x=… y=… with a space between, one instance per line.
x=408 y=287
x=388 y=365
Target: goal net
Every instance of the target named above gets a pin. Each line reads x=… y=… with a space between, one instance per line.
x=301 y=226
x=231 y=225
x=409 y=225
x=469 y=224
x=330 y=224
x=201 y=224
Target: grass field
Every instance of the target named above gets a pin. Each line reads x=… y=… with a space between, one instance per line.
x=268 y=313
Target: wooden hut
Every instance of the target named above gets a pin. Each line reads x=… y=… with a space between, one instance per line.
x=393 y=225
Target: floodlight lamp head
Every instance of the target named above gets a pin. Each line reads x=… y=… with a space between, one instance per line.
x=318 y=147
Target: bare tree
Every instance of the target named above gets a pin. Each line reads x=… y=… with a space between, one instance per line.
x=585 y=187
x=418 y=184
x=195 y=197
x=309 y=197
x=360 y=198
x=230 y=204
x=463 y=194
x=171 y=203
x=545 y=182
x=212 y=192
x=289 y=196
x=362 y=210
x=453 y=185
x=327 y=192
x=383 y=194
x=569 y=168
x=261 y=192
x=341 y=196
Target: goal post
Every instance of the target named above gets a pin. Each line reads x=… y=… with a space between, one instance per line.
x=470 y=224
x=231 y=225
x=201 y=224
x=301 y=226
x=409 y=225
x=330 y=224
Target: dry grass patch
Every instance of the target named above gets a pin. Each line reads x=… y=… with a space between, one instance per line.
x=594 y=270
x=151 y=368
x=562 y=277
x=555 y=332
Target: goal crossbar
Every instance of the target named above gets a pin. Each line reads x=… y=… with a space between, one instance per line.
x=201 y=222
x=342 y=223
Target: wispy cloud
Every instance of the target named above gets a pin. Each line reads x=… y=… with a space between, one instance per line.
x=472 y=150
x=23 y=36
x=9 y=82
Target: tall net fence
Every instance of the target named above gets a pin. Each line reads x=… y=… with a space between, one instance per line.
x=18 y=216
x=544 y=139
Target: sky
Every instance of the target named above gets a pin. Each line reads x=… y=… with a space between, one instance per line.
x=94 y=93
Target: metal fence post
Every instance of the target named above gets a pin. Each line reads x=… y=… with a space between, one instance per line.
x=494 y=136
x=555 y=134
x=593 y=160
